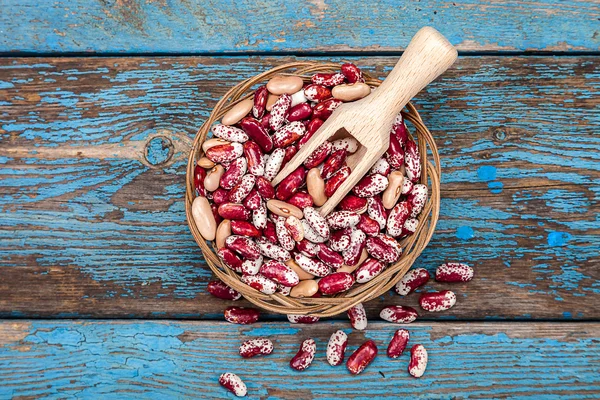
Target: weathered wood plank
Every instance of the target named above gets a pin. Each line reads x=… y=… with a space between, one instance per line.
x=113 y=359
x=91 y=226
x=126 y=26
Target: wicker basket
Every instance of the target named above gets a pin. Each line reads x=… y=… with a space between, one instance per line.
x=332 y=305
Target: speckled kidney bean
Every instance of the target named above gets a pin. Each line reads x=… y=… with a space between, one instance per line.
x=225 y=152
x=368 y=270
x=333 y=163
x=358 y=317
x=290 y=152
x=328 y=79
x=284 y=290
x=211 y=182
x=316 y=221
x=312 y=266
x=410 y=226
x=381 y=167
x=280 y=111
x=352 y=73
x=398 y=343
x=257 y=133
x=351 y=268
x=291 y=184
x=357 y=244
x=242 y=189
x=255 y=158
x=283 y=235
x=362 y=357
x=288 y=134
x=418 y=361
x=241 y=315
x=317 y=93
x=310 y=234
x=336 y=180
x=273 y=251
x=336 y=348
x=412 y=161
x=234 y=211
x=294 y=227
x=353 y=203
x=324 y=109
x=220 y=290
x=235 y=172
x=437 y=301
x=229 y=133
x=264 y=188
x=270 y=232
x=318 y=155
x=253 y=201
x=348 y=143
x=381 y=248
x=256 y=347
x=395 y=153
x=220 y=196
x=407 y=186
x=329 y=257
x=259 y=217
x=411 y=281
x=301 y=200
x=264 y=121
x=300 y=112
x=244 y=228
x=233 y=383
x=399 y=129
x=399 y=314
x=343 y=219
x=417 y=199
x=199 y=176
x=298 y=98
x=252 y=267
x=260 y=102
x=280 y=273
x=311 y=128
x=215 y=212
x=307 y=248
x=398 y=216
x=260 y=283
x=230 y=259
x=368 y=225
x=370 y=185
x=243 y=246
x=453 y=272
x=302 y=319
x=305 y=355
x=340 y=240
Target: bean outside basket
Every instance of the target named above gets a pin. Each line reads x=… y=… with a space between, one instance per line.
x=360 y=293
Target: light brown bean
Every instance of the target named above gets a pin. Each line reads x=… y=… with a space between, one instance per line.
x=351 y=92
x=316 y=186
x=351 y=268
x=280 y=84
x=213 y=177
x=394 y=190
x=212 y=143
x=305 y=289
x=271 y=99
x=237 y=112
x=205 y=162
x=223 y=232
x=204 y=218
x=284 y=209
x=302 y=274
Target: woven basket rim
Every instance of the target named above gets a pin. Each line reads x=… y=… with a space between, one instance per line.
x=412 y=245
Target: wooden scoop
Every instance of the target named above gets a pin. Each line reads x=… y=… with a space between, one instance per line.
x=370 y=119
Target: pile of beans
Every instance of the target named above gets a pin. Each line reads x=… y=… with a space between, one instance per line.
x=338 y=342
x=275 y=237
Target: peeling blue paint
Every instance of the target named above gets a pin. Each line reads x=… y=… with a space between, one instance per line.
x=465 y=232
x=559 y=238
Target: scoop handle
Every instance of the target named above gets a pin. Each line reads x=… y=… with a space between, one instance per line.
x=427 y=56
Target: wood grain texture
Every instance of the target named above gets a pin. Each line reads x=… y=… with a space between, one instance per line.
x=181 y=26
x=115 y=359
x=93 y=152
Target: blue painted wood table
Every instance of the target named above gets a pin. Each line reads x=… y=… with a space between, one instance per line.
x=103 y=290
